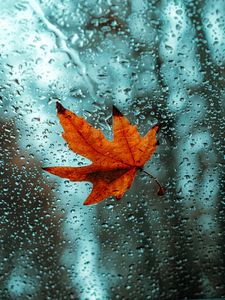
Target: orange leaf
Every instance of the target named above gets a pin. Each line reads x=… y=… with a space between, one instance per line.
x=114 y=163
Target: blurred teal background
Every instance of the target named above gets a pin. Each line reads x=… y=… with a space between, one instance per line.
x=157 y=61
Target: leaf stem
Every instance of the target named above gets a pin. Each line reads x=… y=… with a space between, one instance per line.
x=162 y=189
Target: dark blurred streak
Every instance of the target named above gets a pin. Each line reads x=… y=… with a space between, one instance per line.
x=29 y=231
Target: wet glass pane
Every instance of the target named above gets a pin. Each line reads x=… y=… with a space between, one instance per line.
x=158 y=62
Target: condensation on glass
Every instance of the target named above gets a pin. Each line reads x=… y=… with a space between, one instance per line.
x=157 y=61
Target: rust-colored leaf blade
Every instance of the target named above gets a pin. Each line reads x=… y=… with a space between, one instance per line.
x=81 y=138
x=71 y=173
x=114 y=164
x=147 y=145
x=103 y=189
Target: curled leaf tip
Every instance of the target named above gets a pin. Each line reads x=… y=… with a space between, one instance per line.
x=87 y=203
x=116 y=111
x=59 y=107
x=156 y=127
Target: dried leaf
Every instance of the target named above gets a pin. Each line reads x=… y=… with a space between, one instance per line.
x=114 y=163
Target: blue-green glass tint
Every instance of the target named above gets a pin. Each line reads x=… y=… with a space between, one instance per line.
x=158 y=62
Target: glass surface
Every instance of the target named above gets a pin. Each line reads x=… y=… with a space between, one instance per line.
x=158 y=62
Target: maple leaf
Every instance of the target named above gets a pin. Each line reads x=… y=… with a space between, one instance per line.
x=114 y=163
